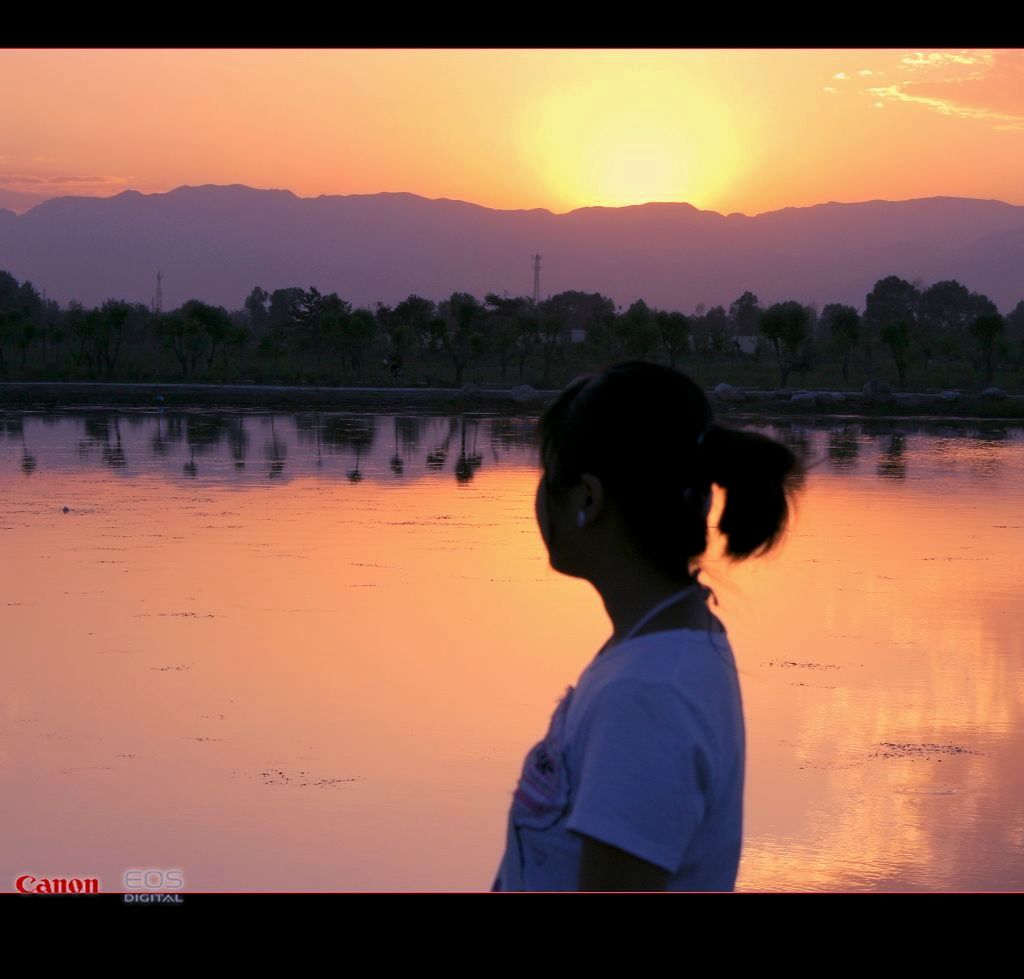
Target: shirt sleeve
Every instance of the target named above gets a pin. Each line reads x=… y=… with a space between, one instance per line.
x=644 y=772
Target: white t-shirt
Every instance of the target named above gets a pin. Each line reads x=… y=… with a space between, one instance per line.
x=646 y=753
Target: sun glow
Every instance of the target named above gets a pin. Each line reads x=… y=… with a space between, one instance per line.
x=620 y=141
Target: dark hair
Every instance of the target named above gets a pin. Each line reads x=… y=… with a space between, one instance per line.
x=635 y=425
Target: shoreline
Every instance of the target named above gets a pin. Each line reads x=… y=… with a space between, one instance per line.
x=520 y=400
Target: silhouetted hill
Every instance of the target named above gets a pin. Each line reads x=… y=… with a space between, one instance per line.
x=217 y=242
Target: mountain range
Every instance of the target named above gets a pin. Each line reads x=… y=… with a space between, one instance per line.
x=216 y=242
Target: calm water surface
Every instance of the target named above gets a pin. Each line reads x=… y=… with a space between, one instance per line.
x=309 y=652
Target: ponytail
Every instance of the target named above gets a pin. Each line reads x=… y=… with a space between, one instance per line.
x=760 y=477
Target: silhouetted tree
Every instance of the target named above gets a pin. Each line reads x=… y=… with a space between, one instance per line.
x=843 y=326
x=417 y=312
x=710 y=332
x=503 y=313
x=805 y=358
x=26 y=333
x=286 y=307
x=527 y=333
x=896 y=336
x=785 y=327
x=109 y=333
x=946 y=311
x=22 y=313
x=637 y=332
x=458 y=330
x=333 y=329
x=986 y=330
x=551 y=331
x=359 y=333
x=1014 y=321
x=256 y=307
x=10 y=293
x=195 y=330
x=892 y=299
x=744 y=314
x=674 y=330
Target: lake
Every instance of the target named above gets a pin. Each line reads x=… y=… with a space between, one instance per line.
x=309 y=651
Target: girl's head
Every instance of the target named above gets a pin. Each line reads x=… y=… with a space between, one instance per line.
x=621 y=447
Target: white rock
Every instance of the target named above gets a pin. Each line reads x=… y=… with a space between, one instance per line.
x=523 y=394
x=726 y=392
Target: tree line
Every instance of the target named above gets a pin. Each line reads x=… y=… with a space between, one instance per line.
x=938 y=334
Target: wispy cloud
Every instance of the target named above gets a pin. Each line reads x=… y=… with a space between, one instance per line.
x=984 y=85
x=58 y=183
x=938 y=58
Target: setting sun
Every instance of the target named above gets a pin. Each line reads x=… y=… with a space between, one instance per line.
x=628 y=138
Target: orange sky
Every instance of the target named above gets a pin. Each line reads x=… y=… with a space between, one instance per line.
x=727 y=130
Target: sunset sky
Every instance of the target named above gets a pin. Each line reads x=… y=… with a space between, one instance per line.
x=728 y=130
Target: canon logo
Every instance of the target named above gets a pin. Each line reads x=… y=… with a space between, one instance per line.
x=27 y=884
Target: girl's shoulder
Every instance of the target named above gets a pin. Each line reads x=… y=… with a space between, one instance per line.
x=690 y=668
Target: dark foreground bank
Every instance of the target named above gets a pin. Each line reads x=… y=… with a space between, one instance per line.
x=872 y=402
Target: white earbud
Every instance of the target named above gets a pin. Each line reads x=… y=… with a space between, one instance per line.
x=580 y=519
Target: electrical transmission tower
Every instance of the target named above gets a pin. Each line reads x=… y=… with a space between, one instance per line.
x=536 y=278
x=158 y=300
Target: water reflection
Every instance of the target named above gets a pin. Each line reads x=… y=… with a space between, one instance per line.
x=891 y=461
x=198 y=443
x=843 y=447
x=331 y=687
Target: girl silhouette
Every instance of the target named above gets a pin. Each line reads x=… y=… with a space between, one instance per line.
x=638 y=783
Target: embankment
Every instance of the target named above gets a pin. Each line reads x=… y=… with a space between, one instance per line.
x=877 y=402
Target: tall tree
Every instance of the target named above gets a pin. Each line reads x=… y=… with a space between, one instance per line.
x=109 y=334
x=637 y=330
x=552 y=330
x=946 y=310
x=843 y=325
x=194 y=330
x=417 y=312
x=785 y=327
x=674 y=329
x=891 y=300
x=986 y=330
x=458 y=330
x=256 y=307
x=359 y=332
x=896 y=336
x=503 y=314
x=744 y=314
